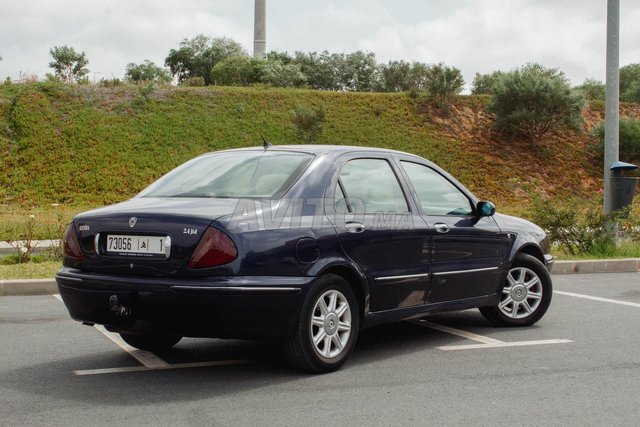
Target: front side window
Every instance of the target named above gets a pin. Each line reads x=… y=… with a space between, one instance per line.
x=436 y=194
x=369 y=186
x=239 y=174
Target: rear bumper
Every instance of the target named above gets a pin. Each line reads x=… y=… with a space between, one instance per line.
x=226 y=307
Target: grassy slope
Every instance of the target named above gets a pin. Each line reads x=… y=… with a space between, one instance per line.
x=85 y=146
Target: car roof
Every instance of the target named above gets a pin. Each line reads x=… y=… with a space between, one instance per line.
x=324 y=149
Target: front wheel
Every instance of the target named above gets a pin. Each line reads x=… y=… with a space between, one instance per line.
x=526 y=294
x=328 y=327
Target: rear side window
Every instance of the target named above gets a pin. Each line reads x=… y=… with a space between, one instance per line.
x=249 y=174
x=369 y=185
x=436 y=194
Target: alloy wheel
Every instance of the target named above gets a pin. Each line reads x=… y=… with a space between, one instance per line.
x=330 y=325
x=522 y=293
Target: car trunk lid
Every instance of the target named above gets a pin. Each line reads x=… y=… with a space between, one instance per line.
x=146 y=236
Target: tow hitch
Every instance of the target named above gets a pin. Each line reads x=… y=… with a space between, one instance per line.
x=117 y=308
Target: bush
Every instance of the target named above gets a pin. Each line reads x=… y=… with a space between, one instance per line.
x=238 y=70
x=581 y=231
x=533 y=100
x=196 y=57
x=630 y=83
x=193 y=82
x=484 y=84
x=308 y=122
x=443 y=82
x=629 y=139
x=591 y=90
x=146 y=72
x=113 y=82
x=632 y=94
x=276 y=73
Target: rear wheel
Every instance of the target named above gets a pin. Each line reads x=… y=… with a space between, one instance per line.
x=328 y=327
x=526 y=294
x=150 y=341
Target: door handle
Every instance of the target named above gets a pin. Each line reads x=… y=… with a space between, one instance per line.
x=354 y=227
x=441 y=227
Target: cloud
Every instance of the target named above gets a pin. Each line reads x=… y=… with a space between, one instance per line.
x=111 y=33
x=473 y=35
x=492 y=34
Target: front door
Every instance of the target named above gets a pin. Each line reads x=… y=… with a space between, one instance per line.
x=466 y=250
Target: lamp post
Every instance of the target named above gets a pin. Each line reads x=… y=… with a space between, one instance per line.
x=260 y=29
x=612 y=100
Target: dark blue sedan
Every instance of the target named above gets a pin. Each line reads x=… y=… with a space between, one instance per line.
x=302 y=244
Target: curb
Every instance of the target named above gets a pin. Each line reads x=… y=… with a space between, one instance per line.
x=628 y=265
x=37 y=246
x=29 y=287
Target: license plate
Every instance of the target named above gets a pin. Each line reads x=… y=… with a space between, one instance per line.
x=138 y=245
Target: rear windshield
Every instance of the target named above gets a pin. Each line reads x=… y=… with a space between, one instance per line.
x=233 y=174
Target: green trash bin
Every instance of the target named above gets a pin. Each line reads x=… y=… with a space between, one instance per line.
x=622 y=191
x=622 y=188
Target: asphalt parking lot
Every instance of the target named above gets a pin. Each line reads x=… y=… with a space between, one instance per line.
x=580 y=365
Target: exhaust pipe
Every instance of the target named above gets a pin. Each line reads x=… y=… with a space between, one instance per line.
x=117 y=308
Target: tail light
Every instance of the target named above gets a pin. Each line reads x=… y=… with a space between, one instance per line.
x=71 y=244
x=215 y=248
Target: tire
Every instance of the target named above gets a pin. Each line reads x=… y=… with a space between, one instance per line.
x=328 y=328
x=150 y=342
x=526 y=294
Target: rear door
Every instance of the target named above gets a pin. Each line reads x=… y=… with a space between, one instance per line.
x=466 y=251
x=380 y=230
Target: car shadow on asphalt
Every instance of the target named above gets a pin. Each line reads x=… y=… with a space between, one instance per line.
x=56 y=378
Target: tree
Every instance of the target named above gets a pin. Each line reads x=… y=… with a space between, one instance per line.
x=532 y=100
x=443 y=82
x=68 y=64
x=395 y=76
x=275 y=73
x=360 y=71
x=283 y=57
x=629 y=139
x=400 y=76
x=146 y=72
x=591 y=89
x=419 y=76
x=237 y=70
x=198 y=56
x=484 y=84
x=630 y=83
x=321 y=69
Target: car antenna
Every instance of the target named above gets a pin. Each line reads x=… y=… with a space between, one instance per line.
x=266 y=144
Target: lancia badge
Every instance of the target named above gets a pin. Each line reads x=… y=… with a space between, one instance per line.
x=133 y=221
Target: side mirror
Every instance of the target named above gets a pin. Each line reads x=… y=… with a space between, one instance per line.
x=485 y=209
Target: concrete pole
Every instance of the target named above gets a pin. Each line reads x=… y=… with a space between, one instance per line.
x=260 y=29
x=612 y=103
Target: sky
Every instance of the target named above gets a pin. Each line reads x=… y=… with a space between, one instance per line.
x=477 y=36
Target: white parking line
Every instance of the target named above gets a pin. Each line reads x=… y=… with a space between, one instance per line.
x=460 y=333
x=503 y=344
x=612 y=301
x=148 y=359
x=485 y=342
x=174 y=366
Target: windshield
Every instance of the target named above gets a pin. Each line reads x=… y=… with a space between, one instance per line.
x=236 y=174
